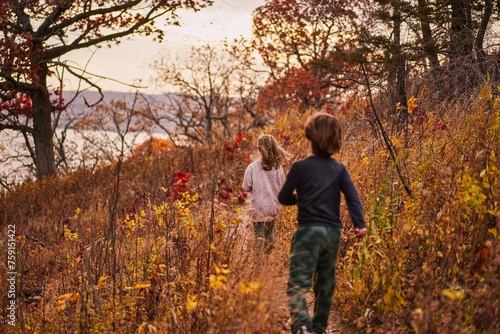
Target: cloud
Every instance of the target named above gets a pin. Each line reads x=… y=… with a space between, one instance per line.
x=223 y=7
x=224 y=19
x=130 y=61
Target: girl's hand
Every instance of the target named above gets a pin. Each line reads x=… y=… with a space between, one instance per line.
x=360 y=232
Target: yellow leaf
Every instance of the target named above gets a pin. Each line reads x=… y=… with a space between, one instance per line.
x=217 y=282
x=250 y=287
x=146 y=328
x=191 y=302
x=454 y=294
x=222 y=270
x=67 y=297
x=68 y=234
x=139 y=286
x=243 y=288
x=412 y=104
x=102 y=279
x=418 y=311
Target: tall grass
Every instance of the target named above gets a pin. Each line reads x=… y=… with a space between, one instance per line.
x=168 y=248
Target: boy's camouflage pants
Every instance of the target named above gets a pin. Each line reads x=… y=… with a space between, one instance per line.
x=313 y=259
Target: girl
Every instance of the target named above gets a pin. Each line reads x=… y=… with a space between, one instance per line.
x=315 y=184
x=263 y=180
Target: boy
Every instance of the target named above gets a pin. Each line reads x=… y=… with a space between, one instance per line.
x=315 y=184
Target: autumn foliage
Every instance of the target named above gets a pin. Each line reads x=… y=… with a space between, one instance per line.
x=177 y=255
x=303 y=44
x=159 y=240
x=35 y=38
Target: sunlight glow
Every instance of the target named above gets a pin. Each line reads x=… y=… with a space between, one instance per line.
x=129 y=62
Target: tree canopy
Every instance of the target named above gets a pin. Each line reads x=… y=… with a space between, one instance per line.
x=300 y=42
x=34 y=36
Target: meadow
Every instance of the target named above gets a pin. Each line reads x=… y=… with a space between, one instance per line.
x=160 y=242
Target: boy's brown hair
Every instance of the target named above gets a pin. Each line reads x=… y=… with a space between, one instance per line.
x=271 y=153
x=325 y=133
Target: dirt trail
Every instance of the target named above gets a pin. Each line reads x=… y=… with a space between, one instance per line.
x=334 y=324
x=274 y=272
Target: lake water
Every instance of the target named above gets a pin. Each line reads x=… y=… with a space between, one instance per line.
x=82 y=148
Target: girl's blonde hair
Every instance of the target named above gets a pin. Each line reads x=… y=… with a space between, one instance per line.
x=325 y=133
x=273 y=155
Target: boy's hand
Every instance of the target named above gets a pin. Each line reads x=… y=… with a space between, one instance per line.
x=360 y=232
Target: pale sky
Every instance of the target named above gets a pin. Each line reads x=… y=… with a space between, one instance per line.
x=131 y=60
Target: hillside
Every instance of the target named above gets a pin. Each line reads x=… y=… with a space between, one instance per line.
x=85 y=101
x=83 y=144
x=160 y=243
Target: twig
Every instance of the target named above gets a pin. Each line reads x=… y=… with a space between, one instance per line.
x=388 y=142
x=34 y=239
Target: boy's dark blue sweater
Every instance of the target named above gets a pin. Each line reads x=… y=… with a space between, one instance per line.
x=318 y=183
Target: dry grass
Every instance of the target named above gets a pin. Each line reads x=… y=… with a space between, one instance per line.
x=139 y=247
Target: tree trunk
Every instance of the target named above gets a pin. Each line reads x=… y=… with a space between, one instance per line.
x=462 y=75
x=398 y=71
x=429 y=45
x=461 y=38
x=42 y=133
x=485 y=19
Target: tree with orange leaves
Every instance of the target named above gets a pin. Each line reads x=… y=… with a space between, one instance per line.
x=302 y=43
x=35 y=34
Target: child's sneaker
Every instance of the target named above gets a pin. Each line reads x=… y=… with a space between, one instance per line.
x=304 y=330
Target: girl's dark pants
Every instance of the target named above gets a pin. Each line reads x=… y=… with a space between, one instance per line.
x=264 y=236
x=313 y=259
